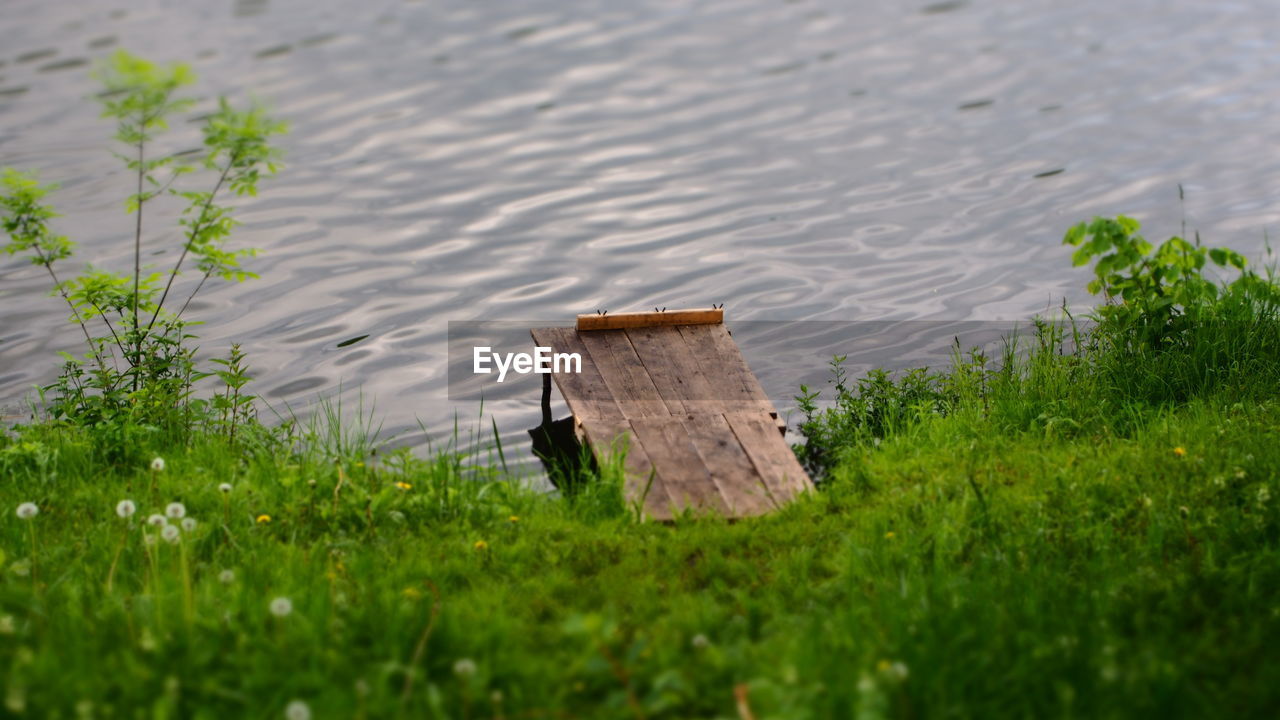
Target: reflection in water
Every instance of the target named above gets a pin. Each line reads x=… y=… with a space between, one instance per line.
x=458 y=161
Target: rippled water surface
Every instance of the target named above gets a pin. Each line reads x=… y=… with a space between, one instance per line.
x=527 y=161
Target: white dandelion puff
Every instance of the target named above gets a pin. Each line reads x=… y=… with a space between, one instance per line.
x=170 y=533
x=157 y=520
x=28 y=510
x=464 y=668
x=281 y=607
x=700 y=641
x=149 y=539
x=126 y=508
x=297 y=710
x=175 y=510
x=157 y=464
x=188 y=524
x=226 y=577
x=224 y=488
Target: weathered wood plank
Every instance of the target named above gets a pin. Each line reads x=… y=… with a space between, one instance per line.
x=648 y=319
x=626 y=377
x=775 y=461
x=586 y=393
x=723 y=366
x=736 y=477
x=642 y=482
x=687 y=480
x=674 y=370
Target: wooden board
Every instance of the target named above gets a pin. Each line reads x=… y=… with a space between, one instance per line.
x=721 y=362
x=622 y=321
x=585 y=393
x=700 y=433
x=632 y=388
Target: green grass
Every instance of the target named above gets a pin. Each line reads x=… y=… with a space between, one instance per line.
x=1086 y=528
x=941 y=573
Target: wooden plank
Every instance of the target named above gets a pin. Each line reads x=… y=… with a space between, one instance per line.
x=687 y=480
x=641 y=483
x=650 y=319
x=739 y=482
x=722 y=365
x=775 y=461
x=586 y=393
x=674 y=370
x=626 y=377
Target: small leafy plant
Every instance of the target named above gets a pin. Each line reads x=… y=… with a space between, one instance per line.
x=138 y=367
x=1148 y=290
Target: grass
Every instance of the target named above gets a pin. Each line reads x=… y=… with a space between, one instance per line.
x=944 y=572
x=1086 y=528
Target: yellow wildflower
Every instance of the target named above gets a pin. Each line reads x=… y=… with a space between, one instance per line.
x=403 y=485
x=412 y=593
x=263 y=519
x=888 y=535
x=514 y=519
x=481 y=545
x=1179 y=451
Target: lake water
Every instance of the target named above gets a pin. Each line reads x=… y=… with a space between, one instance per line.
x=522 y=162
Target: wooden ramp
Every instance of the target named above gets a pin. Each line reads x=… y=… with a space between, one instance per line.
x=672 y=388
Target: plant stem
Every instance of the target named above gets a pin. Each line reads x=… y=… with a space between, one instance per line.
x=48 y=265
x=137 y=249
x=124 y=537
x=35 y=583
x=201 y=223
x=188 y=599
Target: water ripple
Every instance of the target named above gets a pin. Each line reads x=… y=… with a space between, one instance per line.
x=527 y=162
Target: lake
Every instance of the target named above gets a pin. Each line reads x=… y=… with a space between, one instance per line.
x=874 y=177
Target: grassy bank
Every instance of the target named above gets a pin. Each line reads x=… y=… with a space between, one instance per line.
x=940 y=573
x=1086 y=527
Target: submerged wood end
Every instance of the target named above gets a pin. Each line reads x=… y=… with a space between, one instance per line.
x=623 y=321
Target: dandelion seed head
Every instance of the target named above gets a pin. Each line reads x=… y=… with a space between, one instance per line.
x=224 y=488
x=297 y=710
x=700 y=641
x=175 y=510
x=28 y=510
x=189 y=524
x=157 y=464
x=894 y=670
x=464 y=667
x=157 y=520
x=126 y=508
x=226 y=577
x=281 y=607
x=171 y=534
x=149 y=540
